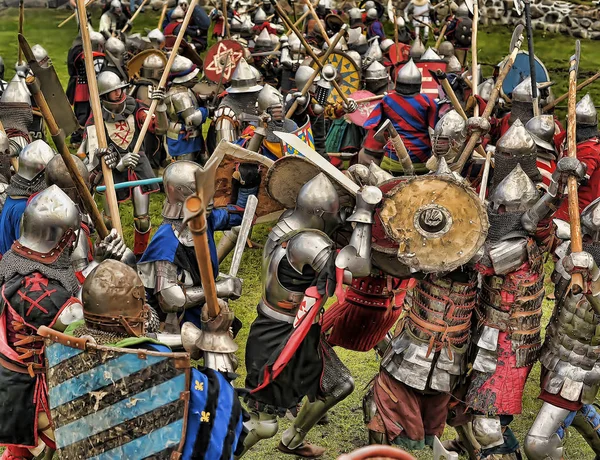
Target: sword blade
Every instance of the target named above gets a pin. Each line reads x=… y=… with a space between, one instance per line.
x=245 y=227
x=318 y=161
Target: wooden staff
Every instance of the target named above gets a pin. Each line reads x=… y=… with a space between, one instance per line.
x=308 y=48
x=135 y=15
x=195 y=215
x=163 y=79
x=580 y=86
x=370 y=99
x=111 y=195
x=163 y=13
x=226 y=19
x=438 y=42
x=574 y=217
x=516 y=42
x=59 y=140
x=21 y=20
x=474 y=73
x=319 y=23
x=75 y=14
x=338 y=37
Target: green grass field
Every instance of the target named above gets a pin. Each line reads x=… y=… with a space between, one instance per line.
x=345 y=431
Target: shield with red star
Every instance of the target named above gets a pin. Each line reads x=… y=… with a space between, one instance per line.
x=222 y=59
x=361 y=114
x=428 y=83
x=348 y=74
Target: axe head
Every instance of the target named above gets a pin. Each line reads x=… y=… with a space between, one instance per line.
x=386 y=126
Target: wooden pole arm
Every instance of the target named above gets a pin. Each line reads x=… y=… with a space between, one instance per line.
x=580 y=86
x=309 y=4
x=135 y=15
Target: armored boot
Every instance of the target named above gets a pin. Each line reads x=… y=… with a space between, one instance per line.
x=292 y=440
x=260 y=426
x=227 y=243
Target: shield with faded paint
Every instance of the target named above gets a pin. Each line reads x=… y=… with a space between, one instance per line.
x=428 y=83
x=520 y=70
x=224 y=185
x=348 y=74
x=437 y=222
x=399 y=53
x=109 y=402
x=222 y=59
x=305 y=133
x=361 y=114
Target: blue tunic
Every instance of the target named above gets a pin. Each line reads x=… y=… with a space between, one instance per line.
x=10 y=222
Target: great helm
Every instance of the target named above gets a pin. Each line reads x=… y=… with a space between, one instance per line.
x=57 y=174
x=585 y=111
x=34 y=158
x=243 y=79
x=183 y=70
x=260 y=16
x=152 y=67
x=179 y=182
x=49 y=225
x=269 y=97
x=449 y=134
x=113 y=298
x=515 y=193
x=319 y=198
x=16 y=91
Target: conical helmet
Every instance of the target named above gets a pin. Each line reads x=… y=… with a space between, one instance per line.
x=430 y=55
x=516 y=146
x=516 y=141
x=260 y=16
x=263 y=41
x=585 y=111
x=462 y=11
x=522 y=92
x=243 y=79
x=515 y=193
x=409 y=74
x=16 y=91
x=373 y=54
x=453 y=65
x=417 y=49
x=376 y=71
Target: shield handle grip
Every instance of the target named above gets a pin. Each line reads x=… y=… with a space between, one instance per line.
x=63 y=339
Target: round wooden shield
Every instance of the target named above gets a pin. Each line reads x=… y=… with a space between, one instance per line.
x=348 y=74
x=222 y=59
x=360 y=115
x=520 y=70
x=287 y=176
x=438 y=223
x=334 y=22
x=399 y=53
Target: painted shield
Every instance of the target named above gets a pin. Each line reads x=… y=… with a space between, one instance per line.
x=134 y=65
x=222 y=59
x=234 y=156
x=399 y=53
x=520 y=70
x=287 y=176
x=428 y=84
x=305 y=133
x=360 y=115
x=109 y=402
x=437 y=222
x=348 y=74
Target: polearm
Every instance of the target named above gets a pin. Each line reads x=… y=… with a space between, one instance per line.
x=111 y=196
x=516 y=41
x=474 y=72
x=135 y=15
x=163 y=13
x=308 y=3
x=531 y=51
x=21 y=21
x=163 y=79
x=338 y=37
x=59 y=140
x=309 y=50
x=580 y=86
x=574 y=217
x=75 y=14
x=438 y=42
x=226 y=19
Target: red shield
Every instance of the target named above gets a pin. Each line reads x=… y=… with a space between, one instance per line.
x=222 y=59
x=399 y=53
x=428 y=84
x=359 y=116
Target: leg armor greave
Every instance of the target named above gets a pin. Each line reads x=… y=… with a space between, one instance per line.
x=260 y=426
x=141 y=221
x=543 y=440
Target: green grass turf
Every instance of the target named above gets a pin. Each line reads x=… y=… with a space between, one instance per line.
x=345 y=431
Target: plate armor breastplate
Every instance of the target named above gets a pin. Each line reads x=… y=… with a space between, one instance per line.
x=430 y=350
x=571 y=351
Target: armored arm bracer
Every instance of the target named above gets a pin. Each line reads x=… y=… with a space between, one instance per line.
x=172 y=296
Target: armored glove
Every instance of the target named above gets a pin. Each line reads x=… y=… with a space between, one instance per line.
x=111 y=158
x=571 y=167
x=350 y=106
x=229 y=288
x=129 y=160
x=579 y=262
x=157 y=94
x=478 y=124
x=111 y=247
x=298 y=97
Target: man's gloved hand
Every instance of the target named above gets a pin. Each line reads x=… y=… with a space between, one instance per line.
x=298 y=97
x=111 y=157
x=478 y=124
x=350 y=106
x=326 y=278
x=578 y=262
x=157 y=94
x=571 y=167
x=129 y=160
x=111 y=247
x=229 y=288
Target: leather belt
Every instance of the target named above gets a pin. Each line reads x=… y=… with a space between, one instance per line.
x=274 y=314
x=30 y=369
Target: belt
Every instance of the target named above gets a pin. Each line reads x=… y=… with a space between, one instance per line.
x=30 y=369
x=274 y=314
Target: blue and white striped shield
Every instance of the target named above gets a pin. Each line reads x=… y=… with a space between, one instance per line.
x=116 y=403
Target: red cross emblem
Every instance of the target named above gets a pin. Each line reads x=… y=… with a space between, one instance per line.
x=35 y=282
x=122 y=131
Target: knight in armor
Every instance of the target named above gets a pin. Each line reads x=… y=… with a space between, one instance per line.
x=77 y=88
x=16 y=112
x=113 y=19
x=186 y=116
x=374 y=25
x=297 y=278
x=267 y=64
x=543 y=129
x=292 y=56
x=115 y=54
x=377 y=79
x=39 y=287
x=459 y=32
x=414 y=128
x=418 y=9
x=28 y=181
x=5 y=166
x=197 y=30
x=169 y=268
x=507 y=338
x=123 y=118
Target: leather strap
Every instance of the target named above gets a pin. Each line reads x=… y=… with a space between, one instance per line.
x=274 y=314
